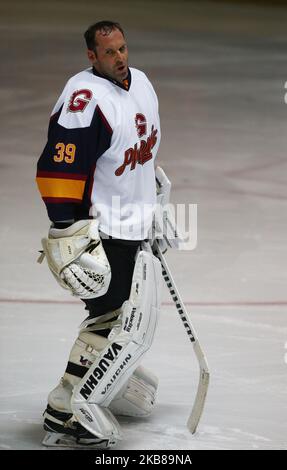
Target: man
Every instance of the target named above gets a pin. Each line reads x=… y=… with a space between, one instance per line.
x=96 y=176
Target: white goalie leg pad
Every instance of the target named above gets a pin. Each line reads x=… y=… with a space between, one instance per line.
x=128 y=343
x=137 y=397
x=83 y=354
x=85 y=351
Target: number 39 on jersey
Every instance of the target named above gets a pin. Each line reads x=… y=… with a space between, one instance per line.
x=65 y=153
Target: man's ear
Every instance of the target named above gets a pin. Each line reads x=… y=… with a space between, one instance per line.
x=91 y=56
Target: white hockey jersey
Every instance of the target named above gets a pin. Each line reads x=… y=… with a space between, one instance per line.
x=99 y=159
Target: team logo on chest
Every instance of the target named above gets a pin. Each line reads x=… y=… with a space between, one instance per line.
x=79 y=100
x=140 y=121
x=139 y=153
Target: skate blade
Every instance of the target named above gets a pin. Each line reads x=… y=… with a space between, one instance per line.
x=54 y=439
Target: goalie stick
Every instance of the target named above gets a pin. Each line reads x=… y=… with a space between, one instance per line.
x=202 y=388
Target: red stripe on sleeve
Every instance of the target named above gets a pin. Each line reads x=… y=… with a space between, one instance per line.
x=66 y=176
x=60 y=200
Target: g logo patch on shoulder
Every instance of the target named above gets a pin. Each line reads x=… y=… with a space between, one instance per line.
x=79 y=100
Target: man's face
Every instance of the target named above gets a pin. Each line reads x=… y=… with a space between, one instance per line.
x=111 y=58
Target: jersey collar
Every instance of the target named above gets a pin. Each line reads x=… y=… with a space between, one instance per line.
x=125 y=85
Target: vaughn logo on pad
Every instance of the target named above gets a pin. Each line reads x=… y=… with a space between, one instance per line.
x=100 y=370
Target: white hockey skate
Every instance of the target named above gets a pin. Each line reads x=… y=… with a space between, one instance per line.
x=64 y=431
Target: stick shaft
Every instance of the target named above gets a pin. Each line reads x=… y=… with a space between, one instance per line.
x=202 y=362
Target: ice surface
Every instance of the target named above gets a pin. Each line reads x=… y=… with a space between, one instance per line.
x=219 y=71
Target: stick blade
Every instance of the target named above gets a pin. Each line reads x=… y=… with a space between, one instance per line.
x=199 y=402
